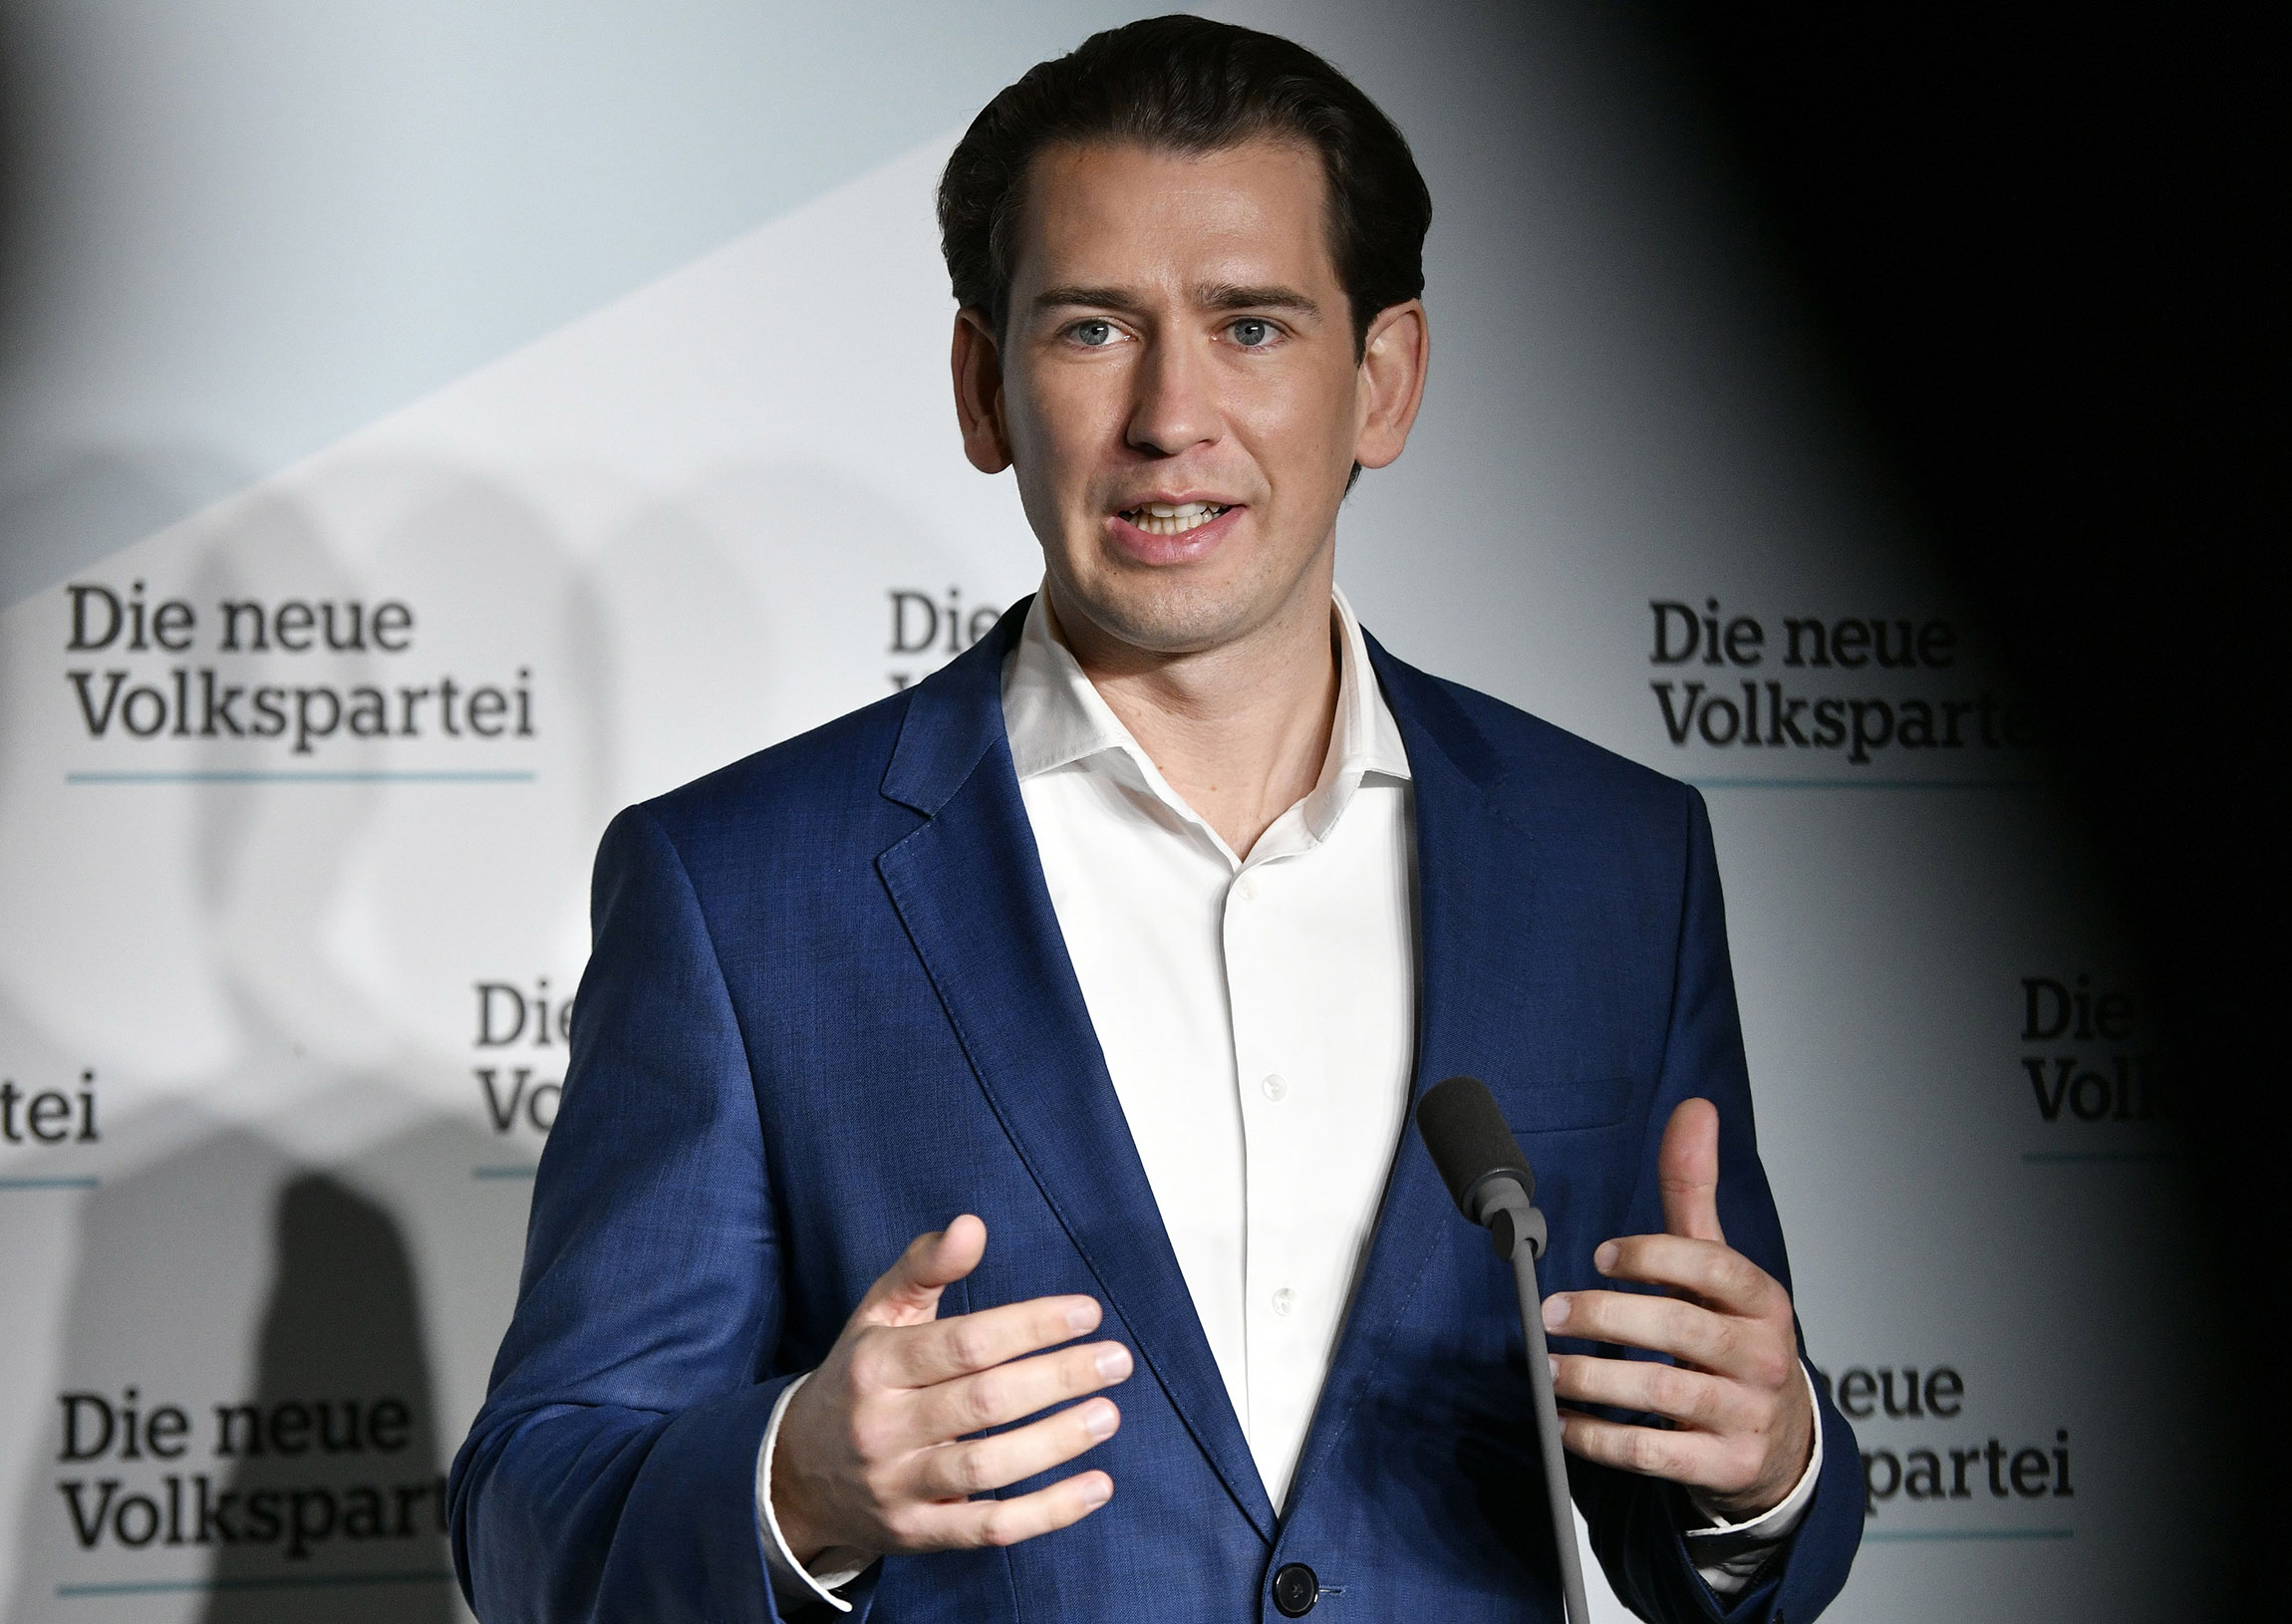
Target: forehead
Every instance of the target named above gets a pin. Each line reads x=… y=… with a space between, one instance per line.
x=1115 y=214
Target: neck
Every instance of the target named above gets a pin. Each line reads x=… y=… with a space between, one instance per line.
x=1239 y=731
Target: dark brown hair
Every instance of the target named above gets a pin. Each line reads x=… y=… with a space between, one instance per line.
x=1190 y=85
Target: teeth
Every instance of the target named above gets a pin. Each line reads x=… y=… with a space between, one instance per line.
x=1172 y=518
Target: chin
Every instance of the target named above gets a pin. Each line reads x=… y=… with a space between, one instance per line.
x=1170 y=617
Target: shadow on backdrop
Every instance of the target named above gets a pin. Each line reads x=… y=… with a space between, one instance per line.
x=341 y=1409
x=152 y=1321
x=2047 y=253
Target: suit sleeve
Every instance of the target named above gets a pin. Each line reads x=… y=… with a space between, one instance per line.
x=611 y=1472
x=1636 y=1521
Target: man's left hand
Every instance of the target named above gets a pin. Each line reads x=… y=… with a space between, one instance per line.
x=1742 y=1427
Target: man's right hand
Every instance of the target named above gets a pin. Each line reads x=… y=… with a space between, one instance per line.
x=868 y=1455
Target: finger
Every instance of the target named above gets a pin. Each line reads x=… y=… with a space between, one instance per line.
x=1689 y=1397
x=968 y=1524
x=925 y=1355
x=908 y=1292
x=975 y=1466
x=1683 y=1457
x=1717 y=1275
x=1005 y=1393
x=1686 y=1331
x=1687 y=1169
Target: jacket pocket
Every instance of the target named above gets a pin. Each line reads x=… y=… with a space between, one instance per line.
x=1556 y=1107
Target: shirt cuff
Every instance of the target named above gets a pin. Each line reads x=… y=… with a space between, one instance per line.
x=1728 y=1554
x=795 y=1585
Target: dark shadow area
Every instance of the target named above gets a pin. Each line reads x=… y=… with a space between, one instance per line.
x=61 y=514
x=17 y=141
x=342 y=1433
x=2045 y=251
x=335 y=1421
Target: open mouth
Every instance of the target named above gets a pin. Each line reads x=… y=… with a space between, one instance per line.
x=1172 y=518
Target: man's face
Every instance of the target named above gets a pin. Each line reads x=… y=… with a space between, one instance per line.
x=1180 y=393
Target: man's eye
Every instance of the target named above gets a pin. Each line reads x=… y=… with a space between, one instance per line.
x=1250 y=333
x=1092 y=334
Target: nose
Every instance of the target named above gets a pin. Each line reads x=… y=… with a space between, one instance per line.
x=1174 y=407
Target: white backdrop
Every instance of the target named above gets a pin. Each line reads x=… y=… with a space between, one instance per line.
x=280 y=1015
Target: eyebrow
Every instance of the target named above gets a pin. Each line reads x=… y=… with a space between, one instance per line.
x=1213 y=296
x=1233 y=296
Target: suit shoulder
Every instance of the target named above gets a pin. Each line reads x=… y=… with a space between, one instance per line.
x=820 y=780
x=1555 y=769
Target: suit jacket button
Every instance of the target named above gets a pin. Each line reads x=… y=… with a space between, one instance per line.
x=1295 y=1589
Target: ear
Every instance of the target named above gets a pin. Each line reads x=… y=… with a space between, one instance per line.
x=1392 y=382
x=977 y=367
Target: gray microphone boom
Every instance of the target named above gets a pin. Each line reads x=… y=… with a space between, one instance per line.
x=1482 y=1166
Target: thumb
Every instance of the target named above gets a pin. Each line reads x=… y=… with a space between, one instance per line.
x=1687 y=1169
x=908 y=1292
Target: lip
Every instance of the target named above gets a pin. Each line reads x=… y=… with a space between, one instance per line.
x=1178 y=498
x=1145 y=547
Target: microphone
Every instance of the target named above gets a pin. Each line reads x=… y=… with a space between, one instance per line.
x=1480 y=1160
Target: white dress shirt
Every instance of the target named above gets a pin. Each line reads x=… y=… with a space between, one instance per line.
x=1257 y=1014
x=1258 y=1018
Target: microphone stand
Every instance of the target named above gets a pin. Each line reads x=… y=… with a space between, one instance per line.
x=1517 y=1226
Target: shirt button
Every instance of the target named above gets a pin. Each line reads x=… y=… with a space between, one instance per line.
x=1245 y=888
x=1275 y=1086
x=1285 y=1300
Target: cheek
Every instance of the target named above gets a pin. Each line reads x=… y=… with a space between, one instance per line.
x=1033 y=441
x=1057 y=429
x=1303 y=427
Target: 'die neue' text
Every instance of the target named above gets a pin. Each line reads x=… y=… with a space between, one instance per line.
x=1711 y=700
x=164 y=695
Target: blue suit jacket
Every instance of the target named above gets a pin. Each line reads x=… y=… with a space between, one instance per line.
x=828 y=1009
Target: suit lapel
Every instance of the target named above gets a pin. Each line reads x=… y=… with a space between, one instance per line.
x=969 y=888
x=1467 y=853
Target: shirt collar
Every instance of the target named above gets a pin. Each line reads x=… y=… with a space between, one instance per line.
x=1055 y=718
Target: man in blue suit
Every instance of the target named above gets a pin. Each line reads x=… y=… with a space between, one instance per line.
x=1108 y=961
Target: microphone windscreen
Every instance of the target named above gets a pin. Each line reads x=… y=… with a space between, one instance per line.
x=1469 y=1139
